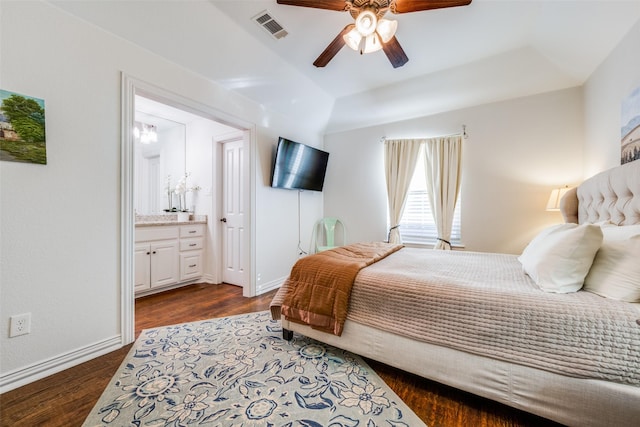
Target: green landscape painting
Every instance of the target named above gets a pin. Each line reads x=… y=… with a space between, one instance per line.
x=22 y=134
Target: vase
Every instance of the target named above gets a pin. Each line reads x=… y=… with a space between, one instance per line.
x=183 y=216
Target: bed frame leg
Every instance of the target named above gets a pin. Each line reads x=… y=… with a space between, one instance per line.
x=287 y=334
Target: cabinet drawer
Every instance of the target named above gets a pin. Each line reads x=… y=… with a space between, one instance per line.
x=190 y=265
x=191 y=244
x=195 y=230
x=146 y=234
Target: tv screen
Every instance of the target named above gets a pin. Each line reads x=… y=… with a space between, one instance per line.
x=298 y=166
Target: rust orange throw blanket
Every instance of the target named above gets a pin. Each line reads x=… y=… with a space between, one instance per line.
x=318 y=288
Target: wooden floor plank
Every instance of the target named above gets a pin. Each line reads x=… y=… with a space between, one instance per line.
x=66 y=398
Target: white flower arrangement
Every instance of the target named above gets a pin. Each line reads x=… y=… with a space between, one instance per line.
x=181 y=189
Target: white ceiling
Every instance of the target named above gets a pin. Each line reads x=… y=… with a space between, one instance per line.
x=458 y=57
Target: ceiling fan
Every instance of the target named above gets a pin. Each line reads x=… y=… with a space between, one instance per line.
x=371 y=32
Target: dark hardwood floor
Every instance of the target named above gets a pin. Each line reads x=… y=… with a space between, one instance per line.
x=65 y=399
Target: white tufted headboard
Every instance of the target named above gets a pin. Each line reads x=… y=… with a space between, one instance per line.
x=612 y=195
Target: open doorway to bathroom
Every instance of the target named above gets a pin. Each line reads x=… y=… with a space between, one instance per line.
x=173 y=160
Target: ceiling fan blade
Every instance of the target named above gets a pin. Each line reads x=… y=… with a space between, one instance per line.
x=318 y=4
x=333 y=48
x=404 y=6
x=395 y=53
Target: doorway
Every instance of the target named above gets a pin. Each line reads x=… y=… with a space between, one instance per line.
x=209 y=198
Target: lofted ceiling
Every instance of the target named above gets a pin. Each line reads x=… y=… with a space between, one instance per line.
x=459 y=57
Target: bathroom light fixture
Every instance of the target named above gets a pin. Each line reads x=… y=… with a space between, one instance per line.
x=145 y=133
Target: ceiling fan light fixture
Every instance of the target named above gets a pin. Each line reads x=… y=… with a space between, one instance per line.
x=366 y=22
x=386 y=29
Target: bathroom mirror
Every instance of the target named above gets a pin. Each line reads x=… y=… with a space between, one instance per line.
x=160 y=153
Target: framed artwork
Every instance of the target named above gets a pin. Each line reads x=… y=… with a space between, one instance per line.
x=22 y=129
x=630 y=128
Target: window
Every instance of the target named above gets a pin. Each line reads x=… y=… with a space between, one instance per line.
x=417 y=225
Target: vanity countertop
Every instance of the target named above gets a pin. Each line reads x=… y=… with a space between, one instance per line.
x=167 y=219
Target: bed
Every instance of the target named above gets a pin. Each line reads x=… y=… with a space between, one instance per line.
x=477 y=322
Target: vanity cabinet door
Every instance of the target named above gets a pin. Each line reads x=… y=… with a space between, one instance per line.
x=142 y=263
x=164 y=263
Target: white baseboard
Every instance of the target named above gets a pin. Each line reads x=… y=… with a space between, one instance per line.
x=42 y=369
x=208 y=278
x=268 y=286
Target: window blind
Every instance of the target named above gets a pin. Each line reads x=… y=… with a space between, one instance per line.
x=417 y=225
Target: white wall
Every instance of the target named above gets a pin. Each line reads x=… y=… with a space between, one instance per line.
x=278 y=213
x=516 y=153
x=612 y=82
x=60 y=223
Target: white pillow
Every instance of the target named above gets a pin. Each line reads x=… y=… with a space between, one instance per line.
x=613 y=232
x=615 y=272
x=559 y=257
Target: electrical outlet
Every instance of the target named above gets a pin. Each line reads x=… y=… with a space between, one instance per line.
x=20 y=324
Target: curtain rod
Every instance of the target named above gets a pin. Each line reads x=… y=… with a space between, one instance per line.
x=463 y=134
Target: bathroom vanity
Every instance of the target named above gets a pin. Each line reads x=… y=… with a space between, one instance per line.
x=168 y=252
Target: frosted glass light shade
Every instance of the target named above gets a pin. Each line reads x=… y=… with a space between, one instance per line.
x=353 y=39
x=386 y=29
x=372 y=44
x=366 y=22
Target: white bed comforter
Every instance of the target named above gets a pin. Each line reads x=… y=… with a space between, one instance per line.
x=483 y=303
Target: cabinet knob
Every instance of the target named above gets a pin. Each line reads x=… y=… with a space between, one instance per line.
x=192 y=265
x=223 y=220
x=154 y=252
x=148 y=253
x=192 y=244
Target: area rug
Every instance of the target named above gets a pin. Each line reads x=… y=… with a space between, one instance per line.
x=238 y=371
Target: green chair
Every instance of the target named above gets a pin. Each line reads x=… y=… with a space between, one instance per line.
x=324 y=234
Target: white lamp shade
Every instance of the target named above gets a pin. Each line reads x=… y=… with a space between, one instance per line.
x=386 y=29
x=372 y=44
x=554 y=199
x=352 y=39
x=366 y=22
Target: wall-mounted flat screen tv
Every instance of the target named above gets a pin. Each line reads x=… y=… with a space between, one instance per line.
x=298 y=166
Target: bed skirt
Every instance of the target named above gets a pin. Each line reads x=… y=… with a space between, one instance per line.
x=567 y=400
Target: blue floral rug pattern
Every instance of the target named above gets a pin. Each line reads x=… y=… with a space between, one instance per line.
x=239 y=372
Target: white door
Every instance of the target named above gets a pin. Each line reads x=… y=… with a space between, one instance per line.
x=233 y=211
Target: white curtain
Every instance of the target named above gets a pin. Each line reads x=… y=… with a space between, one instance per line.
x=400 y=156
x=443 y=170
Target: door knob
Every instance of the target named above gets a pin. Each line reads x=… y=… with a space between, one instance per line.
x=223 y=220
